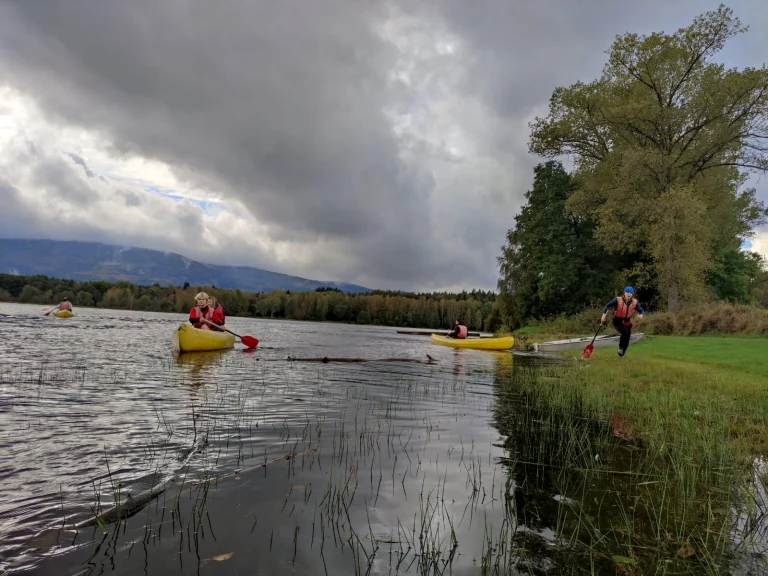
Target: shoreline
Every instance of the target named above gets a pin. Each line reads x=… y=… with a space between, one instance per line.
x=258 y=318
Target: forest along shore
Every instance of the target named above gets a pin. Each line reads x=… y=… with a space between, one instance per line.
x=478 y=309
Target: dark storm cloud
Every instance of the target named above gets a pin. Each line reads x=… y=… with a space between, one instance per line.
x=283 y=106
x=81 y=162
x=54 y=172
x=283 y=102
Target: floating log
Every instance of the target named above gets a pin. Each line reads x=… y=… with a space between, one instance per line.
x=430 y=332
x=326 y=360
x=241 y=471
x=133 y=504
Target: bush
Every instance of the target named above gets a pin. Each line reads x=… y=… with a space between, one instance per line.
x=710 y=318
x=718 y=318
x=30 y=294
x=584 y=322
x=85 y=298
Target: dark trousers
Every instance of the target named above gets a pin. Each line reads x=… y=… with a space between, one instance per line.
x=624 y=331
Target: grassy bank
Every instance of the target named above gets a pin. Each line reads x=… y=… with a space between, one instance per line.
x=714 y=319
x=707 y=320
x=684 y=494
x=693 y=393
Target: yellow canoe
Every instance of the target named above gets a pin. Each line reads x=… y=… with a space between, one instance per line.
x=63 y=314
x=189 y=339
x=504 y=343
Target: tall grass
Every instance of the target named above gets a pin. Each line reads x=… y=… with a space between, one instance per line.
x=668 y=497
x=711 y=319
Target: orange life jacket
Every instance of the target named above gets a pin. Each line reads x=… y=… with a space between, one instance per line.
x=623 y=311
x=462 y=332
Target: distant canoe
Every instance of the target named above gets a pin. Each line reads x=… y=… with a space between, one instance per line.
x=580 y=343
x=430 y=332
x=63 y=314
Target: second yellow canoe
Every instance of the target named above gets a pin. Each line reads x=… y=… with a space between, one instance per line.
x=63 y=314
x=504 y=343
x=190 y=339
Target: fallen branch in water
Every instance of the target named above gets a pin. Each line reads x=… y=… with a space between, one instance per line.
x=325 y=360
x=132 y=504
x=127 y=507
x=264 y=465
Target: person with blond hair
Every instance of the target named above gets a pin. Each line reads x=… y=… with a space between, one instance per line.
x=207 y=314
x=218 y=310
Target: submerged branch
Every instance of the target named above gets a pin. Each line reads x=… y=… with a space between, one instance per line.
x=326 y=359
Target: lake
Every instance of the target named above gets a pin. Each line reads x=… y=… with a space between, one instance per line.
x=246 y=462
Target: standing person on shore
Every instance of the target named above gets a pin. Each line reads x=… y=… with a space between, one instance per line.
x=625 y=307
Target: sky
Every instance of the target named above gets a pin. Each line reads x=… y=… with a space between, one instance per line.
x=378 y=142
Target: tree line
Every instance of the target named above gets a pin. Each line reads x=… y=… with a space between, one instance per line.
x=477 y=308
x=662 y=143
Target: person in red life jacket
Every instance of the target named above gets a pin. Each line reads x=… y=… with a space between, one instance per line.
x=204 y=310
x=459 y=331
x=625 y=307
x=65 y=304
x=218 y=310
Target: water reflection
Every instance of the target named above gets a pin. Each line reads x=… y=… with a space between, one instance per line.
x=200 y=367
x=584 y=488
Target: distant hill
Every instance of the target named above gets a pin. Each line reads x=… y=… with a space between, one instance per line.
x=95 y=261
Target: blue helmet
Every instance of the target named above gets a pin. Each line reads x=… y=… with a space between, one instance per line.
x=629 y=289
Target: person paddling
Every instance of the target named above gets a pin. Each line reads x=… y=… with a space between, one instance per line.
x=459 y=330
x=625 y=307
x=204 y=310
x=63 y=305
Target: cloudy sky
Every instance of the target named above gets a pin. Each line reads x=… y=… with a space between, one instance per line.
x=376 y=142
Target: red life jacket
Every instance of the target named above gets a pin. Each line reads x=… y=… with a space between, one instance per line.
x=462 y=332
x=65 y=306
x=216 y=316
x=624 y=312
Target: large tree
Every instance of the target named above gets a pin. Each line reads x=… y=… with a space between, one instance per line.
x=551 y=263
x=662 y=143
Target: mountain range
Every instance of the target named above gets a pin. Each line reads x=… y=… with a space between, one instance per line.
x=95 y=261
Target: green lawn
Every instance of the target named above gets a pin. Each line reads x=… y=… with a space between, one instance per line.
x=730 y=358
x=699 y=391
x=694 y=411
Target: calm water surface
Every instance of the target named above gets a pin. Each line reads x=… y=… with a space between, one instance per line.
x=398 y=467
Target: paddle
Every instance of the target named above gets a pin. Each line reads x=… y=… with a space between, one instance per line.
x=249 y=341
x=590 y=347
x=51 y=310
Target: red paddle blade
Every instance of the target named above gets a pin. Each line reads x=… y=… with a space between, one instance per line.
x=587 y=351
x=249 y=341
